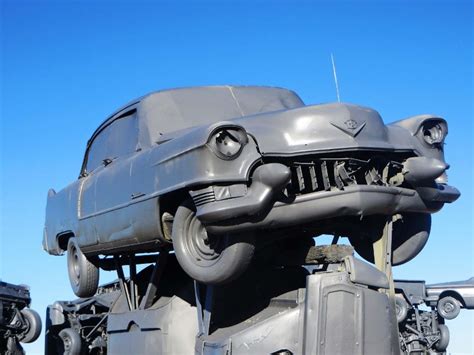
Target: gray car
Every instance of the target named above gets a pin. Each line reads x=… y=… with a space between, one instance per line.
x=450 y=297
x=206 y=168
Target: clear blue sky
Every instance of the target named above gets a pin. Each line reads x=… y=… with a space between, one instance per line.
x=65 y=65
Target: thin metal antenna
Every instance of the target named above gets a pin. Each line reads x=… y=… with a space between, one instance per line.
x=335 y=78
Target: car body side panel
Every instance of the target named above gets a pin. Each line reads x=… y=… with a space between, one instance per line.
x=201 y=166
x=124 y=227
x=465 y=290
x=134 y=216
x=133 y=187
x=119 y=203
x=112 y=190
x=112 y=187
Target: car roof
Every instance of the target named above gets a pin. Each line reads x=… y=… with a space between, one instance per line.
x=257 y=90
x=189 y=105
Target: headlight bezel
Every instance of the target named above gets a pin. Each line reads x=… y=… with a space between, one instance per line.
x=227 y=142
x=433 y=132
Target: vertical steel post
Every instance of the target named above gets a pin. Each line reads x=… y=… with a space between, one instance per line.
x=383 y=261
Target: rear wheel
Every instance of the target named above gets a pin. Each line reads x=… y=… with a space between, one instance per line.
x=83 y=274
x=33 y=322
x=401 y=309
x=443 y=342
x=207 y=258
x=449 y=307
x=71 y=341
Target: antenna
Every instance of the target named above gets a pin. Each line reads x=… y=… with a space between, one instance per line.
x=335 y=78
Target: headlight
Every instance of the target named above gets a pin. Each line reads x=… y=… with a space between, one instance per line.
x=227 y=143
x=434 y=132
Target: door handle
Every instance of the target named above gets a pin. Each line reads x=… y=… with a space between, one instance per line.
x=137 y=195
x=106 y=161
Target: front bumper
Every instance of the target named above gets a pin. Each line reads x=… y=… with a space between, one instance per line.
x=263 y=204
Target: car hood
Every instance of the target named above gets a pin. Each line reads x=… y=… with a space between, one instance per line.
x=328 y=127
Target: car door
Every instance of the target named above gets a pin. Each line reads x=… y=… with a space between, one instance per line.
x=106 y=192
x=86 y=203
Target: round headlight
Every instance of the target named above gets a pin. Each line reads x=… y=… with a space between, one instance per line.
x=434 y=133
x=227 y=143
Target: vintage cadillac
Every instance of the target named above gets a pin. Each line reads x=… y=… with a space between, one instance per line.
x=213 y=171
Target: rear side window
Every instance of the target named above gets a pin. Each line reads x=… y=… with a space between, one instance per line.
x=117 y=139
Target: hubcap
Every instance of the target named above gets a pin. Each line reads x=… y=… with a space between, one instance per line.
x=200 y=245
x=448 y=307
x=67 y=343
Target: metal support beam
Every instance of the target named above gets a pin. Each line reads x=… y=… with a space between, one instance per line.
x=204 y=313
x=133 y=286
x=109 y=263
x=383 y=261
x=155 y=278
x=208 y=309
x=197 y=295
x=122 y=280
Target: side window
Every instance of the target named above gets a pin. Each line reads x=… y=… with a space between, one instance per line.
x=115 y=140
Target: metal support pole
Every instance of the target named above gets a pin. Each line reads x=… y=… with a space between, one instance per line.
x=197 y=294
x=122 y=281
x=204 y=313
x=383 y=261
x=155 y=278
x=133 y=286
x=208 y=308
x=383 y=253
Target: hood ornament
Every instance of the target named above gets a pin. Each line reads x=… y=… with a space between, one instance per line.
x=352 y=127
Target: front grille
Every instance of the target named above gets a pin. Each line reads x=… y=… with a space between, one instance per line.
x=318 y=173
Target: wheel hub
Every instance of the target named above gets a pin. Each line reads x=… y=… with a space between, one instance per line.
x=200 y=244
x=67 y=343
x=448 y=307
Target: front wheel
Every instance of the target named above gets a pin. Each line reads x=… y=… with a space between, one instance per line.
x=409 y=236
x=207 y=258
x=33 y=323
x=83 y=274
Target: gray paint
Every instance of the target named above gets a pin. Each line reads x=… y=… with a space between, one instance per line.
x=330 y=315
x=118 y=205
x=14 y=326
x=341 y=309
x=463 y=291
x=417 y=292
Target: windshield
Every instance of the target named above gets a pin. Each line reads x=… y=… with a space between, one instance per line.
x=174 y=110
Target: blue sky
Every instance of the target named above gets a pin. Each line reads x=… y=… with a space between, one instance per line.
x=66 y=65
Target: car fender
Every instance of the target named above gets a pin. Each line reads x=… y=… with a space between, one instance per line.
x=61 y=216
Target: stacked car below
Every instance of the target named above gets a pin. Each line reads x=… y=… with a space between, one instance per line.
x=18 y=322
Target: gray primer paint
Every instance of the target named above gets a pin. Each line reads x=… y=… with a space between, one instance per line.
x=118 y=204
